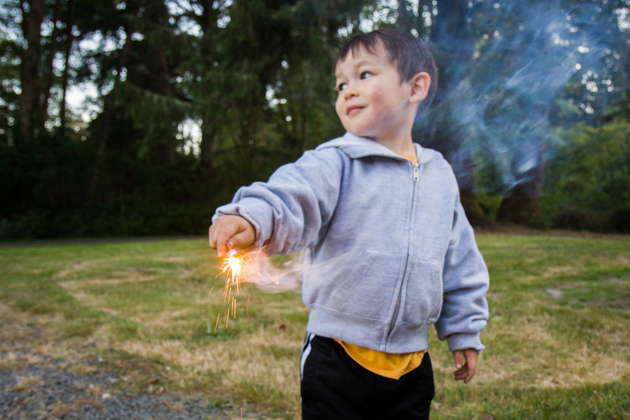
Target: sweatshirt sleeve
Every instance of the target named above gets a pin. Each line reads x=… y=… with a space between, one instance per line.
x=466 y=281
x=289 y=211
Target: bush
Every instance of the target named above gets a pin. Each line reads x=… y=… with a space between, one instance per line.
x=587 y=183
x=620 y=220
x=580 y=219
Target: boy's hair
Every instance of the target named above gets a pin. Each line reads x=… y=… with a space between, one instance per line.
x=410 y=55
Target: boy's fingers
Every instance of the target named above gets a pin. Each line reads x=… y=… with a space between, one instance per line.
x=211 y=239
x=471 y=363
x=223 y=236
x=213 y=232
x=471 y=360
x=223 y=232
x=466 y=364
x=459 y=358
x=242 y=239
x=215 y=228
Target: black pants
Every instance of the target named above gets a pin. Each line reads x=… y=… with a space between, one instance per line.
x=336 y=387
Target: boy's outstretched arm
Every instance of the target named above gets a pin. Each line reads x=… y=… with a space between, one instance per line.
x=466 y=364
x=235 y=230
x=465 y=309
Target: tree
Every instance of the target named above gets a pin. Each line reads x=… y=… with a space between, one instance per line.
x=257 y=75
x=32 y=17
x=128 y=16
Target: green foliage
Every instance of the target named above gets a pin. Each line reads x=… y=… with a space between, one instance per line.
x=257 y=78
x=588 y=180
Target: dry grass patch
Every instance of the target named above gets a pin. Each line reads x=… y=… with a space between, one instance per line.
x=551 y=368
x=13 y=358
x=9 y=360
x=59 y=349
x=99 y=390
x=27 y=383
x=15 y=324
x=551 y=272
x=80 y=368
x=166 y=319
x=95 y=293
x=60 y=408
x=229 y=365
x=118 y=278
x=27 y=339
x=533 y=354
x=75 y=270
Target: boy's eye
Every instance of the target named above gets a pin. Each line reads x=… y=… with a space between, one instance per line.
x=365 y=74
x=341 y=86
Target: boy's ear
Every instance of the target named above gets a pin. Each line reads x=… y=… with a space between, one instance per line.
x=420 y=84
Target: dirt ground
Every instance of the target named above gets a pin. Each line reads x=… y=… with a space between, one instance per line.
x=45 y=377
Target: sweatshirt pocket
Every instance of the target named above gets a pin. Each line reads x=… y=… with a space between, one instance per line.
x=361 y=285
x=423 y=293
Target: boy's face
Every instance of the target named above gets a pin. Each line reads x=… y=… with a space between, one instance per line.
x=372 y=101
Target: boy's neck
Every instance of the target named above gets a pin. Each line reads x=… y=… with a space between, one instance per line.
x=400 y=146
x=398 y=139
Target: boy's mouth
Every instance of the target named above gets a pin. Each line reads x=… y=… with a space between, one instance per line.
x=351 y=110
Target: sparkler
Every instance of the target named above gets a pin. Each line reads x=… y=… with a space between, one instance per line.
x=233 y=267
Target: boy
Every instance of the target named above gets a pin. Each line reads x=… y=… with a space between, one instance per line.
x=386 y=213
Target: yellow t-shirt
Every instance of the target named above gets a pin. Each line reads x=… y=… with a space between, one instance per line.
x=388 y=365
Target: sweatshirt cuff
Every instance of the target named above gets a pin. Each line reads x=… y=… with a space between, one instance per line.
x=464 y=341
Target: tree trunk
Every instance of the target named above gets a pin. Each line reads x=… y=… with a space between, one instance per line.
x=29 y=73
x=522 y=200
x=66 y=67
x=208 y=23
x=49 y=74
x=163 y=87
x=208 y=146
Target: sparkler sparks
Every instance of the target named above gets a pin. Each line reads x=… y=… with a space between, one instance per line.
x=233 y=267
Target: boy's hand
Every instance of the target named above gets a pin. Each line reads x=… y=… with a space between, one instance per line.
x=465 y=368
x=235 y=230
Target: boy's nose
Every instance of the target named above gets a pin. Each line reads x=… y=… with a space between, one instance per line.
x=350 y=92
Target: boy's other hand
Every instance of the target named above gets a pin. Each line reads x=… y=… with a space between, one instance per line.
x=235 y=230
x=466 y=363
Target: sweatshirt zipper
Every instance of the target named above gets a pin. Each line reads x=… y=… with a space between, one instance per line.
x=416 y=177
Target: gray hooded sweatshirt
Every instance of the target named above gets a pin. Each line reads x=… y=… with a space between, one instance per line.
x=388 y=247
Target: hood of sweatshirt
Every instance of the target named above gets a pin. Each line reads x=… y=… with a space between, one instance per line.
x=358 y=147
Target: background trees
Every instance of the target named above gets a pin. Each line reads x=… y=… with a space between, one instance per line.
x=193 y=98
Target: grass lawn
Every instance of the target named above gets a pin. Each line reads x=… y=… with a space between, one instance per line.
x=557 y=342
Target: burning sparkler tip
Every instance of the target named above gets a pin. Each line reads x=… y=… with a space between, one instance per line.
x=231 y=251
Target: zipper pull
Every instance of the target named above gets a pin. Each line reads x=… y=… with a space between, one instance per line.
x=416 y=172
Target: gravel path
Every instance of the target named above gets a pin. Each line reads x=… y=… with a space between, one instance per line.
x=46 y=389
x=73 y=384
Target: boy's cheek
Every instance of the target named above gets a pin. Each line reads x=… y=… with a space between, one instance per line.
x=376 y=90
x=338 y=106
